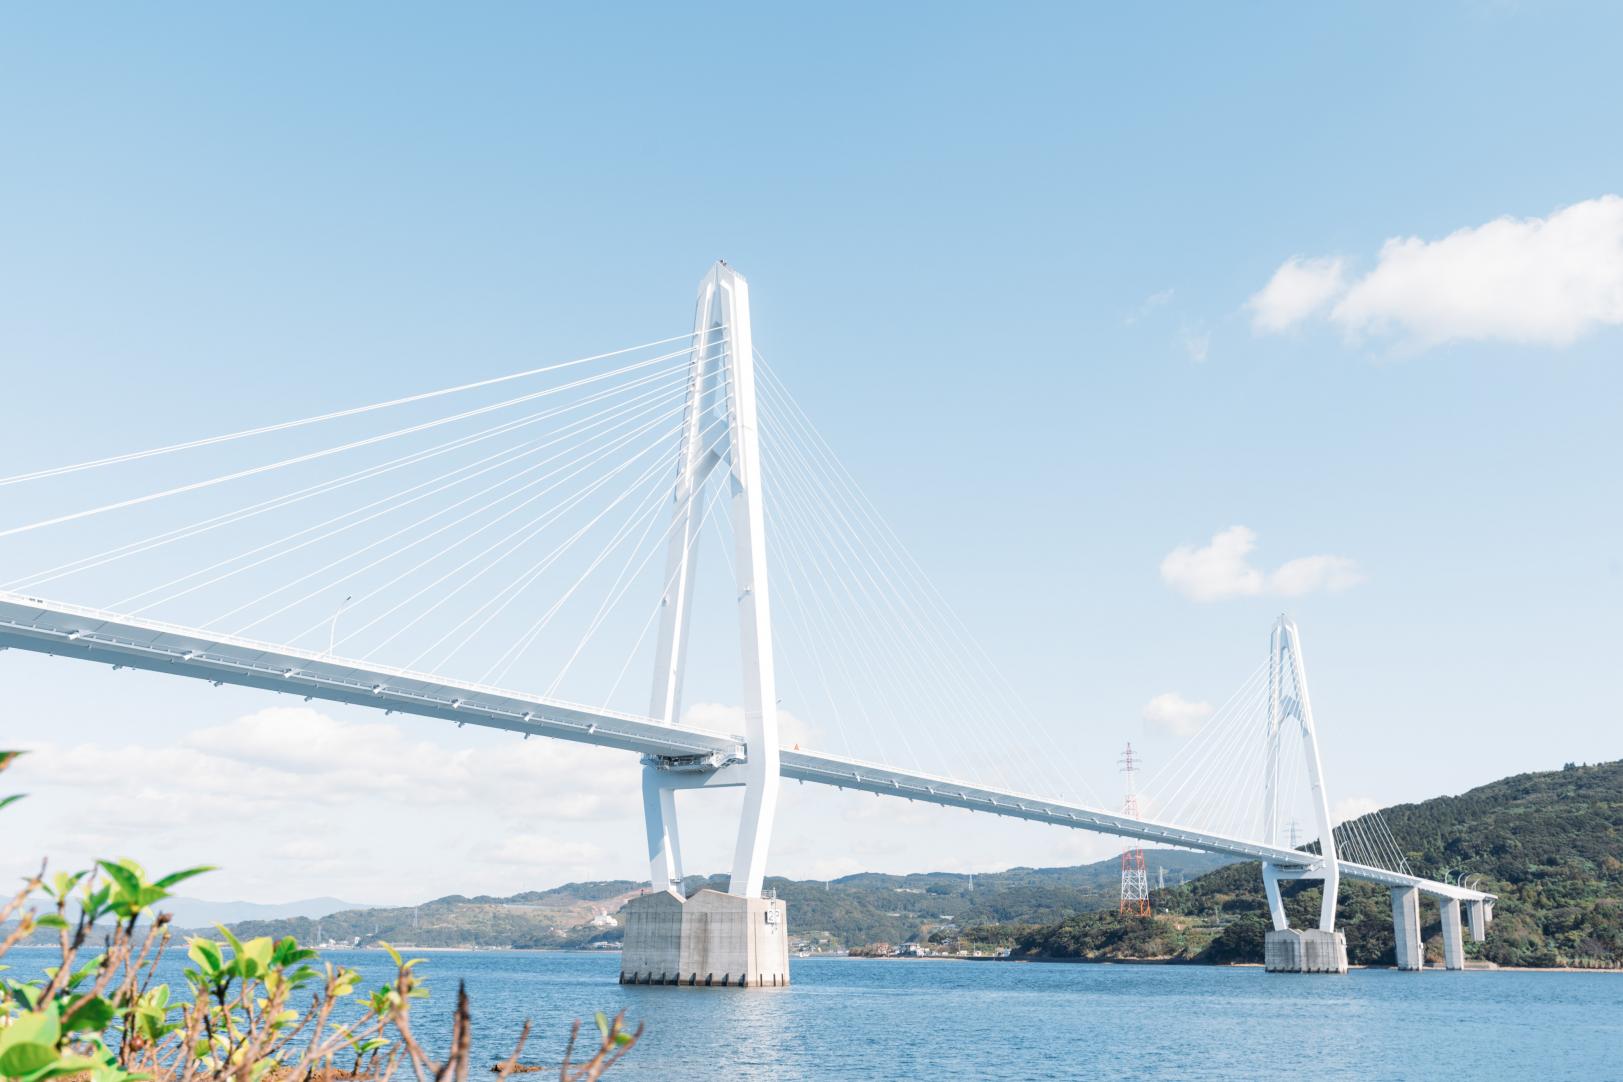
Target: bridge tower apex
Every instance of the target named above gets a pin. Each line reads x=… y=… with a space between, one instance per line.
x=720 y=435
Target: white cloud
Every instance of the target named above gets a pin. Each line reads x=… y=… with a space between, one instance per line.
x=1174 y=713
x=1298 y=288
x=313 y=788
x=1533 y=281
x=1308 y=574
x=1352 y=807
x=541 y=850
x=1222 y=569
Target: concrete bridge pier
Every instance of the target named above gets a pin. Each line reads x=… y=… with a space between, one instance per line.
x=1410 y=948
x=711 y=940
x=1480 y=913
x=1453 y=939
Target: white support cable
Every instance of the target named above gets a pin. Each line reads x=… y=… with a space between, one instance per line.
x=646 y=509
x=518 y=585
x=932 y=687
x=973 y=652
x=1183 y=765
x=600 y=423
x=1403 y=861
x=237 y=475
x=528 y=639
x=789 y=618
x=1219 y=770
x=209 y=441
x=793 y=618
x=791 y=536
x=1190 y=760
x=617 y=590
x=1208 y=803
x=562 y=474
x=786 y=546
x=181 y=533
x=1216 y=737
x=523 y=534
x=568 y=474
x=848 y=632
x=514 y=589
x=840 y=545
x=653 y=615
x=937 y=686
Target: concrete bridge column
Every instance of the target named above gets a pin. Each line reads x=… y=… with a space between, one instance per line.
x=1453 y=937
x=1410 y=948
x=1478 y=912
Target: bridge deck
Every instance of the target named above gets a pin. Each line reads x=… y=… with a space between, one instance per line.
x=51 y=627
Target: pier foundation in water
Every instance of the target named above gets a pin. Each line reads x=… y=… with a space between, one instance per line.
x=1304 y=950
x=711 y=940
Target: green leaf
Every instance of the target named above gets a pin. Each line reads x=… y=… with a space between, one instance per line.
x=176 y=877
x=236 y=944
x=23 y=1058
x=253 y=957
x=93 y=1014
x=6 y=801
x=128 y=881
x=67 y=1065
x=206 y=953
x=50 y=920
x=36 y=1027
x=602 y=1023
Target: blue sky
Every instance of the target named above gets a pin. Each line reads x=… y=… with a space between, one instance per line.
x=1015 y=262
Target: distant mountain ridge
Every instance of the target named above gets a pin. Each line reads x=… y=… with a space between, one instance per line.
x=849 y=911
x=201 y=913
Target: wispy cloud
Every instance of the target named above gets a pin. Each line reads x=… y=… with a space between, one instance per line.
x=1149 y=305
x=1222 y=569
x=1197 y=342
x=1176 y=714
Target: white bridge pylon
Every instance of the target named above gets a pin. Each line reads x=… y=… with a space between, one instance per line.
x=1288 y=703
x=721 y=395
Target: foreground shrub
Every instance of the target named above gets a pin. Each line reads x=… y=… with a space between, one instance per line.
x=260 y=1009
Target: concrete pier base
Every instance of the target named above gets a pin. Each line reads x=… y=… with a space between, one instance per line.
x=711 y=940
x=1453 y=938
x=1410 y=948
x=1309 y=950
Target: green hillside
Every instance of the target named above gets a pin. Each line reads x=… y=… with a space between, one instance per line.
x=846 y=912
x=1549 y=844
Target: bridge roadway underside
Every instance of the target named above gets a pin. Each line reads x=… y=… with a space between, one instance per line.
x=64 y=630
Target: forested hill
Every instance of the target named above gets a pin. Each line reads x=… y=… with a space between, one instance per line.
x=845 y=912
x=1549 y=844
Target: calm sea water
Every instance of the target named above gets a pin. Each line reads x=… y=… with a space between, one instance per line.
x=850 y=1018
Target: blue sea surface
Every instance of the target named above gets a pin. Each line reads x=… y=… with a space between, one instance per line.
x=901 y=1019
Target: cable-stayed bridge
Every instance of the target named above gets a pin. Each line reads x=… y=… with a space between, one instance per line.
x=524 y=533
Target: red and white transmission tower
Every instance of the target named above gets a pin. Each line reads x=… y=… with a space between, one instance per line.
x=1135 y=884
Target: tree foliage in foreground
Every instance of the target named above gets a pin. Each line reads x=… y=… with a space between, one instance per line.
x=249 y=1010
